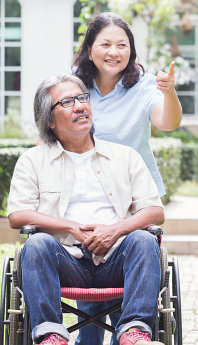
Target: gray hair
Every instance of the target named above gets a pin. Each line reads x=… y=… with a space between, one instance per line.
x=43 y=114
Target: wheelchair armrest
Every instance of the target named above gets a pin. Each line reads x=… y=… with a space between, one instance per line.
x=155 y=230
x=28 y=230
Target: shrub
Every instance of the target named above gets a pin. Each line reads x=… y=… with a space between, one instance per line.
x=189 y=162
x=10 y=142
x=10 y=150
x=180 y=133
x=167 y=152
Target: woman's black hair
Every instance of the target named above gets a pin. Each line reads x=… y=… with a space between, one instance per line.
x=86 y=70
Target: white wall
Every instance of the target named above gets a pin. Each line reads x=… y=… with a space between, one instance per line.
x=47 y=36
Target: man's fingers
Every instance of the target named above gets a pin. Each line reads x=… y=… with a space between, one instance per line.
x=87 y=242
x=87 y=227
x=171 y=68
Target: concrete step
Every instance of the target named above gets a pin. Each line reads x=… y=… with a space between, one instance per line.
x=180 y=226
x=8 y=235
x=181 y=244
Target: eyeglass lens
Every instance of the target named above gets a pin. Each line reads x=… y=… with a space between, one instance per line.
x=69 y=101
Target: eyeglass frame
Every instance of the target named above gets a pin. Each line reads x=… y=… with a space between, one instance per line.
x=73 y=98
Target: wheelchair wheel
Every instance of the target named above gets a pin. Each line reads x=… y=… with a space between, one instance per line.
x=176 y=302
x=15 y=300
x=5 y=302
x=165 y=317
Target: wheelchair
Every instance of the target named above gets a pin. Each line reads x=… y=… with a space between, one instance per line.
x=15 y=322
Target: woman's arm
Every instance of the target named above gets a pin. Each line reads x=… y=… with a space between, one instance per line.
x=167 y=115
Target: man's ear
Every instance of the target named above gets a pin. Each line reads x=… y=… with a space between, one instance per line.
x=51 y=125
x=89 y=53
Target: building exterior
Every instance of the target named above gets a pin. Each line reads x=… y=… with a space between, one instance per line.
x=37 y=40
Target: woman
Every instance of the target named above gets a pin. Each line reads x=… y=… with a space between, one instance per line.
x=125 y=101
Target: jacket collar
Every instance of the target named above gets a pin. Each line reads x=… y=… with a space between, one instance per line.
x=101 y=148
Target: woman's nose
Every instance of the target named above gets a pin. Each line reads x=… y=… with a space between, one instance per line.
x=113 y=50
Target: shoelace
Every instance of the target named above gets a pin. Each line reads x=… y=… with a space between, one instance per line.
x=52 y=339
x=137 y=335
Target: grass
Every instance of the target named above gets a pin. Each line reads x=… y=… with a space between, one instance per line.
x=8 y=249
x=188 y=188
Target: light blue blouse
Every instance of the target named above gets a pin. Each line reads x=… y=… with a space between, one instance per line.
x=123 y=116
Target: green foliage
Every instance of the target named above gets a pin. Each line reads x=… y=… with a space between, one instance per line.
x=189 y=151
x=181 y=133
x=189 y=162
x=8 y=158
x=168 y=156
x=184 y=135
x=89 y=9
x=156 y=13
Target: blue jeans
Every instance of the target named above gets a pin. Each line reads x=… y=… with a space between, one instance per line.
x=46 y=266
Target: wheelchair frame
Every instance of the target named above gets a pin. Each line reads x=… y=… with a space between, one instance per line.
x=15 y=321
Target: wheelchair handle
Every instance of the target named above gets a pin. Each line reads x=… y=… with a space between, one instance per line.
x=155 y=230
x=28 y=230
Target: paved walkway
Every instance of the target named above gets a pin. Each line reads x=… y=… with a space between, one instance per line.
x=182 y=207
x=188 y=266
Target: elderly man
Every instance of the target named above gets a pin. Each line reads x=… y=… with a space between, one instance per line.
x=87 y=198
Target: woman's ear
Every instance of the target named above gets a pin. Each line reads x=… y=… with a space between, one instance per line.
x=89 y=53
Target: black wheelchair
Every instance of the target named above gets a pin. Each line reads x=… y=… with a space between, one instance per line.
x=15 y=322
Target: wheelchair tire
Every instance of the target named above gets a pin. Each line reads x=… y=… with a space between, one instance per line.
x=15 y=299
x=5 y=302
x=166 y=320
x=177 y=303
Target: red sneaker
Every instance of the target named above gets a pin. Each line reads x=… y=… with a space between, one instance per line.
x=54 y=339
x=136 y=337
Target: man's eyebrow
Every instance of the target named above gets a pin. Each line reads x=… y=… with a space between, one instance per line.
x=73 y=95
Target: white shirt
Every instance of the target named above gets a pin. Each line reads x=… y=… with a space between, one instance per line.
x=88 y=202
x=43 y=180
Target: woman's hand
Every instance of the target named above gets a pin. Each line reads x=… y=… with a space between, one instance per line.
x=166 y=115
x=166 y=81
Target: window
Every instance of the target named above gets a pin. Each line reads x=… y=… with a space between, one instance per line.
x=187 y=43
x=10 y=60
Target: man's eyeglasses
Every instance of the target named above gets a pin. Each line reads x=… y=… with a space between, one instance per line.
x=70 y=101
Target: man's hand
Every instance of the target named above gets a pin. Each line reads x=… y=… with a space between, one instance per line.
x=102 y=238
x=81 y=235
x=166 y=81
